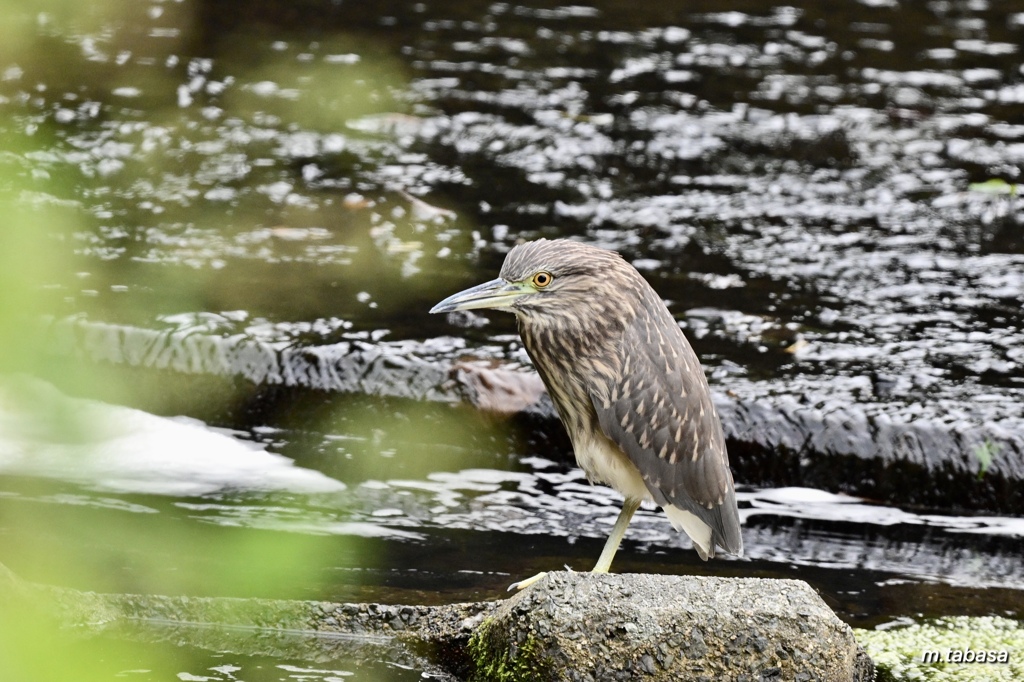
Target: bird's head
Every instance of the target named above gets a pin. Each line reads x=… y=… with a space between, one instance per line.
x=549 y=280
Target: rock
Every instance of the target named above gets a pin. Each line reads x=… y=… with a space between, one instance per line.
x=494 y=389
x=568 y=626
x=580 y=626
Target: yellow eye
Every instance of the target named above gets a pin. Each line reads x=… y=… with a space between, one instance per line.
x=542 y=279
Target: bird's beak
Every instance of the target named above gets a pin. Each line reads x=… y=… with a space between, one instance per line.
x=494 y=294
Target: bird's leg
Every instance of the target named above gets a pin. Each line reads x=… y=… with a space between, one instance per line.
x=523 y=584
x=604 y=562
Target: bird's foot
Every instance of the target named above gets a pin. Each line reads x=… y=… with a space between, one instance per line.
x=523 y=584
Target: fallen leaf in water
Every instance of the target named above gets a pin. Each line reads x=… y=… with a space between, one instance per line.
x=797 y=346
x=994 y=186
x=421 y=210
x=355 y=202
x=296 y=234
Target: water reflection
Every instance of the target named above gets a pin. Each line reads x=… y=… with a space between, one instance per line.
x=221 y=654
x=540 y=497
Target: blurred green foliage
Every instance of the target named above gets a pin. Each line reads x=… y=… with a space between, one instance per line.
x=53 y=534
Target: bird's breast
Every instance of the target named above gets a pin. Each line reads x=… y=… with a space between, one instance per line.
x=565 y=373
x=603 y=462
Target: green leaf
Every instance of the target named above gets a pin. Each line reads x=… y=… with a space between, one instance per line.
x=994 y=186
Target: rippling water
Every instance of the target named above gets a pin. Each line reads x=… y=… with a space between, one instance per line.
x=267 y=200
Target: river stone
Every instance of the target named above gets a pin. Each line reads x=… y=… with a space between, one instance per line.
x=582 y=626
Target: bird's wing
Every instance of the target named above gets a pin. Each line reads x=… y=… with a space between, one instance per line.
x=657 y=408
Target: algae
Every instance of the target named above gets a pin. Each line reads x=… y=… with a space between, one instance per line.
x=958 y=648
x=496 y=661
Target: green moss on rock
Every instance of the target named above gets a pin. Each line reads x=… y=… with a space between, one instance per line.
x=955 y=648
x=497 y=660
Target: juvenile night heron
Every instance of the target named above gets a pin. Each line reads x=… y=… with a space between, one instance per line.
x=626 y=383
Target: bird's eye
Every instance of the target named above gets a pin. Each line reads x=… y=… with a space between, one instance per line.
x=542 y=279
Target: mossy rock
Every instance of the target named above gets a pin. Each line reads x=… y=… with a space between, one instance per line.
x=497 y=658
x=582 y=627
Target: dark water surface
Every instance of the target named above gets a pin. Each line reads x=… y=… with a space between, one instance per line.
x=269 y=197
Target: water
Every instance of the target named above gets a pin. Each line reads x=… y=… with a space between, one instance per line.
x=263 y=203
x=162 y=652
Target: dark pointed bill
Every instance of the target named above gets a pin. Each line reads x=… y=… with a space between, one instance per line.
x=494 y=294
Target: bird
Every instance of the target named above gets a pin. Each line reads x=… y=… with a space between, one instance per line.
x=625 y=382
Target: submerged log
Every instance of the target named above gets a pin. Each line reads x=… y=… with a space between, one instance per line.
x=568 y=626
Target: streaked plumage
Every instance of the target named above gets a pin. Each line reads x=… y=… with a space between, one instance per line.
x=625 y=381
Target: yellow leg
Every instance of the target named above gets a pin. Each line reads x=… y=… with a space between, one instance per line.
x=604 y=562
x=523 y=584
